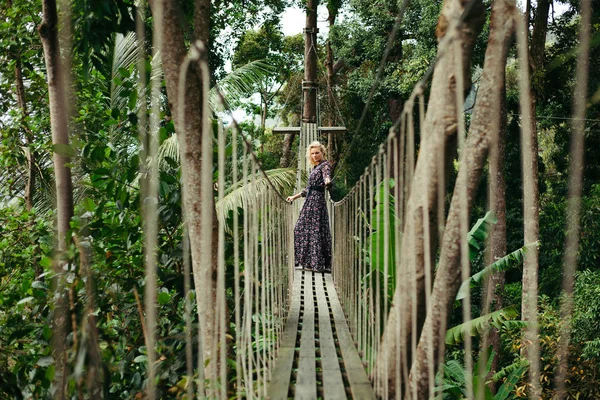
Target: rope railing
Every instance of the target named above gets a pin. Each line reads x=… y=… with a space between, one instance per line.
x=366 y=236
x=263 y=269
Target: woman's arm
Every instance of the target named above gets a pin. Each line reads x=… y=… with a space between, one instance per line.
x=327 y=174
x=294 y=197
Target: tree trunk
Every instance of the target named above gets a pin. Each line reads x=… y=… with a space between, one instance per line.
x=30 y=155
x=309 y=85
x=448 y=275
x=198 y=204
x=437 y=133
x=263 y=114
x=286 y=154
x=48 y=31
x=333 y=11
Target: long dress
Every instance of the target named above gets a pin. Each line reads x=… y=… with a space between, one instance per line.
x=312 y=237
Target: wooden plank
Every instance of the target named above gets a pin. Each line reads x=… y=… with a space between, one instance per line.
x=332 y=129
x=287 y=129
x=321 y=129
x=360 y=386
x=333 y=383
x=306 y=380
x=282 y=372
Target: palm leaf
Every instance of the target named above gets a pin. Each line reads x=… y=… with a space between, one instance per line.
x=125 y=54
x=509 y=384
x=241 y=194
x=479 y=233
x=16 y=178
x=168 y=149
x=157 y=68
x=476 y=326
x=239 y=83
x=505 y=263
x=455 y=371
x=509 y=369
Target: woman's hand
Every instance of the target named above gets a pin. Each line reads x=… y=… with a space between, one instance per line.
x=327 y=183
x=290 y=199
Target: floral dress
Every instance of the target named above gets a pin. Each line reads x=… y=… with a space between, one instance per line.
x=312 y=238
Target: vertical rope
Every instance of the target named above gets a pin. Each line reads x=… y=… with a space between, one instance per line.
x=402 y=170
x=363 y=289
x=255 y=317
x=371 y=286
x=397 y=173
x=236 y=268
x=187 y=285
x=386 y=246
x=575 y=188
x=247 y=336
x=221 y=301
x=530 y=294
x=428 y=266
x=270 y=301
x=262 y=282
x=464 y=214
x=375 y=267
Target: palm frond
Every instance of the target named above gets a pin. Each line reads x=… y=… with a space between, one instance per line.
x=476 y=326
x=44 y=190
x=157 y=67
x=243 y=193
x=126 y=53
x=168 y=149
x=239 y=83
x=508 y=262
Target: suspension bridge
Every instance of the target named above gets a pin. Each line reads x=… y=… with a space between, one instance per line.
x=376 y=326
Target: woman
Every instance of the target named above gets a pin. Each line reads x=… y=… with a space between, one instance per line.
x=312 y=238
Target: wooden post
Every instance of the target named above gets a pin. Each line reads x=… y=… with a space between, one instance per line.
x=309 y=85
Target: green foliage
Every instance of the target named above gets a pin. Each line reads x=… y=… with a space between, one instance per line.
x=25 y=353
x=497 y=319
x=479 y=233
x=506 y=263
x=586 y=314
x=381 y=236
x=237 y=196
x=453 y=383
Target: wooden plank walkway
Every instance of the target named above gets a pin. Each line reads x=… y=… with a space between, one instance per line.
x=317 y=358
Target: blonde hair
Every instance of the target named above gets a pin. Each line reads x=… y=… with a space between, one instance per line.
x=312 y=146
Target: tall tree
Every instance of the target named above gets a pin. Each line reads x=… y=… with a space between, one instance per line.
x=57 y=94
x=309 y=85
x=282 y=53
x=333 y=8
